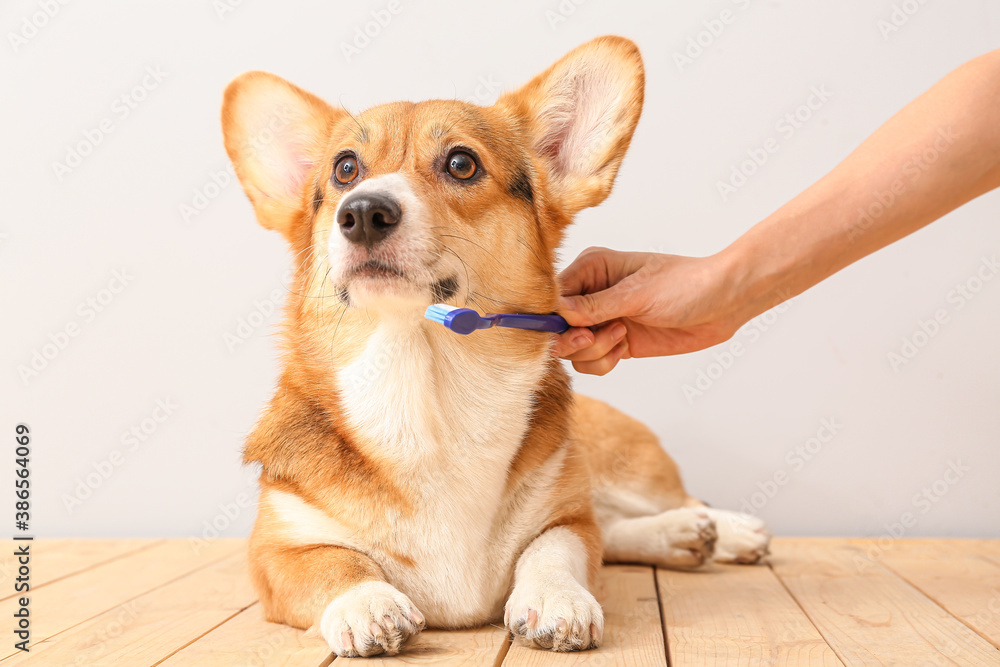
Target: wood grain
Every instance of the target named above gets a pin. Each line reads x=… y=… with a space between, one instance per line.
x=867 y=614
x=960 y=575
x=52 y=560
x=633 y=633
x=821 y=601
x=248 y=640
x=145 y=630
x=73 y=600
x=737 y=615
x=477 y=648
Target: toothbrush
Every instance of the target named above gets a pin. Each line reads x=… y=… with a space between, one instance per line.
x=465 y=320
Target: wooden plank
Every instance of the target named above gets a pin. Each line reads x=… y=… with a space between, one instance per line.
x=151 y=627
x=633 y=633
x=52 y=560
x=736 y=615
x=68 y=602
x=988 y=549
x=957 y=574
x=867 y=614
x=480 y=647
x=249 y=640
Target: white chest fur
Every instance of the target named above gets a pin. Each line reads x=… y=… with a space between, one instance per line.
x=448 y=423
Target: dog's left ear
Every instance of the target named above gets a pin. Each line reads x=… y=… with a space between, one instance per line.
x=581 y=113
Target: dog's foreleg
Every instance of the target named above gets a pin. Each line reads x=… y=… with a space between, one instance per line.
x=551 y=605
x=339 y=592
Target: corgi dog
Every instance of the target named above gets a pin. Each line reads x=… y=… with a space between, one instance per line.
x=412 y=477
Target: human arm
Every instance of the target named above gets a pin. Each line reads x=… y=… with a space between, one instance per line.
x=937 y=153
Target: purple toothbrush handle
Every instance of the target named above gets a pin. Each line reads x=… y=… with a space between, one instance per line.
x=553 y=323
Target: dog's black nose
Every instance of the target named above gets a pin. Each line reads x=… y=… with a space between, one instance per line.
x=367 y=218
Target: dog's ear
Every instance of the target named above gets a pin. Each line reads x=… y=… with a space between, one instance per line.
x=581 y=113
x=275 y=133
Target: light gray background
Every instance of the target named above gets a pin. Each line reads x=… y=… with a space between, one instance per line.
x=164 y=335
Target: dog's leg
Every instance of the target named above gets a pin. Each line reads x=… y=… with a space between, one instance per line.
x=679 y=538
x=644 y=512
x=338 y=591
x=742 y=537
x=551 y=606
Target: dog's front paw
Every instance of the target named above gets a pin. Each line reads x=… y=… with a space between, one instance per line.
x=562 y=616
x=742 y=537
x=369 y=619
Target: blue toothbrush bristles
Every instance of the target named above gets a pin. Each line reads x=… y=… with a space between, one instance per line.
x=438 y=312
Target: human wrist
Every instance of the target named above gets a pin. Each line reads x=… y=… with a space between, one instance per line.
x=754 y=279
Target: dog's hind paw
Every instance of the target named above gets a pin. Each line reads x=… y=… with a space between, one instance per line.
x=680 y=538
x=743 y=538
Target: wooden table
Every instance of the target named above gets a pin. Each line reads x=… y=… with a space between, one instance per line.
x=817 y=601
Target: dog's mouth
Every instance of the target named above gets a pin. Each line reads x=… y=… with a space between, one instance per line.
x=375 y=276
x=376 y=269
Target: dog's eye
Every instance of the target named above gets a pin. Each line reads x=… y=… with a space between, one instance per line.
x=346 y=170
x=461 y=165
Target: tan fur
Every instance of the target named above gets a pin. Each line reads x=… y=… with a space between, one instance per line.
x=409 y=474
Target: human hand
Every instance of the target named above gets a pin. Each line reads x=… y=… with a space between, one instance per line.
x=638 y=304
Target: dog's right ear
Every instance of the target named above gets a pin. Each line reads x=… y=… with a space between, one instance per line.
x=275 y=134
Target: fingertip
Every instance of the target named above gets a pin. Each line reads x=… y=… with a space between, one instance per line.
x=572 y=340
x=580 y=337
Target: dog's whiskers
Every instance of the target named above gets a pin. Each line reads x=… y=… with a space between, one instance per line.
x=532 y=251
x=462 y=238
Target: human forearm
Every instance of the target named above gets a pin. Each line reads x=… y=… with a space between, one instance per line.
x=937 y=153
x=940 y=151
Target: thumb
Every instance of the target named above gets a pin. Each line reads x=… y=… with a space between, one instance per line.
x=585 y=310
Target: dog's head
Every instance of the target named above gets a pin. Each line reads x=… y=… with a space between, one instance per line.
x=405 y=205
